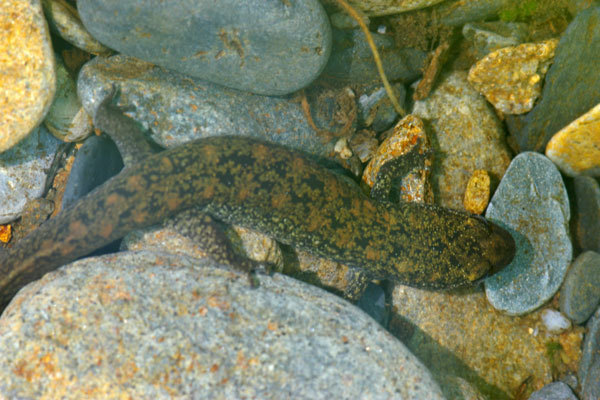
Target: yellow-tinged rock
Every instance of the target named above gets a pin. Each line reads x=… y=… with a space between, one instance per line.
x=477 y=194
x=27 y=81
x=575 y=149
x=511 y=78
x=65 y=20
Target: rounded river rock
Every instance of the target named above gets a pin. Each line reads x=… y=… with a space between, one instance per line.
x=264 y=47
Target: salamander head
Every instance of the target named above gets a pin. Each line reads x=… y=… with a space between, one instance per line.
x=499 y=248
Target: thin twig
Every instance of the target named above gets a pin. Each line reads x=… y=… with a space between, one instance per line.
x=354 y=14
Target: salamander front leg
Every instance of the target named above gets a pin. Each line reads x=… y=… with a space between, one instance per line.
x=209 y=236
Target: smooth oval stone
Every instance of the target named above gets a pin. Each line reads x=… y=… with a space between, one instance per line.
x=587 y=213
x=177 y=109
x=167 y=326
x=264 y=47
x=531 y=202
x=580 y=294
x=96 y=161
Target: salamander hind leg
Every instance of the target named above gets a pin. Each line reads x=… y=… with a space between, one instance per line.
x=210 y=237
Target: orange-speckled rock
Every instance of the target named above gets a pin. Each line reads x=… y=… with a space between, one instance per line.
x=407 y=133
x=477 y=194
x=462 y=335
x=27 y=81
x=511 y=78
x=575 y=149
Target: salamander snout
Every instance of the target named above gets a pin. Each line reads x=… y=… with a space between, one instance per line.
x=501 y=248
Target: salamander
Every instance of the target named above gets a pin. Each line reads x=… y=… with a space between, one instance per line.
x=274 y=190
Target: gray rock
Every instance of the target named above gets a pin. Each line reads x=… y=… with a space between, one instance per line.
x=531 y=202
x=150 y=325
x=458 y=12
x=554 y=391
x=23 y=172
x=177 y=109
x=489 y=36
x=352 y=61
x=589 y=365
x=96 y=161
x=572 y=85
x=580 y=294
x=591 y=387
x=587 y=213
x=270 y=48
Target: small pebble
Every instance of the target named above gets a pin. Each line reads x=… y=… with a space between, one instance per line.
x=587 y=213
x=28 y=76
x=580 y=293
x=554 y=321
x=167 y=326
x=269 y=48
x=375 y=109
x=364 y=144
x=575 y=149
x=572 y=85
x=531 y=202
x=554 y=391
x=511 y=78
x=477 y=194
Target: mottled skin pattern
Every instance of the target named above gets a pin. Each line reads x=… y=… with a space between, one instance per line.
x=277 y=191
